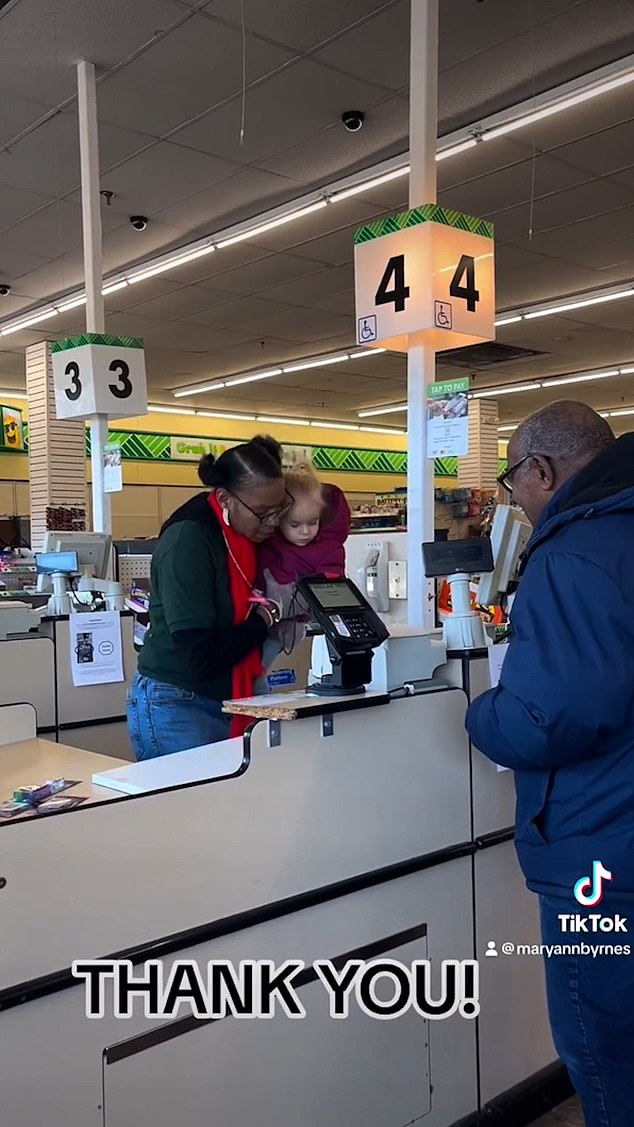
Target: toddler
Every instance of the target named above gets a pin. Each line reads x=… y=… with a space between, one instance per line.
x=309 y=541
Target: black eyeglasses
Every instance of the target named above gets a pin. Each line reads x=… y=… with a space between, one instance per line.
x=273 y=517
x=505 y=479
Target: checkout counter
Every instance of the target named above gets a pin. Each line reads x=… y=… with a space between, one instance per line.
x=345 y=823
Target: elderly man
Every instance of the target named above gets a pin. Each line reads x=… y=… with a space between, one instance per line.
x=562 y=717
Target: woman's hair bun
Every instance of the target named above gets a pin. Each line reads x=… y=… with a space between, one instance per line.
x=207 y=471
x=271 y=445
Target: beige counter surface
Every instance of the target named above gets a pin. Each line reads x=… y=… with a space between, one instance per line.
x=32 y=762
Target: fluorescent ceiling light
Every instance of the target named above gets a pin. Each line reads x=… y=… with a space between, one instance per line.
x=369 y=413
x=367 y=185
x=12 y=393
x=576 y=98
x=508 y=320
x=453 y=150
x=322 y=362
x=114 y=287
x=283 y=422
x=74 y=304
x=514 y=426
x=250 y=379
x=381 y=430
x=184 y=392
x=567 y=306
x=225 y=415
x=333 y=426
x=625 y=411
x=626 y=371
x=158 y=407
x=558 y=381
x=262 y=228
x=367 y=352
x=491 y=392
x=28 y=321
x=169 y=264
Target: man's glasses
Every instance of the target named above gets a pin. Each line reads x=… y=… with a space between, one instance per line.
x=506 y=479
x=275 y=516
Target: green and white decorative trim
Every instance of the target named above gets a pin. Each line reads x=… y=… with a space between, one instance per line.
x=95 y=338
x=141 y=447
x=426 y=213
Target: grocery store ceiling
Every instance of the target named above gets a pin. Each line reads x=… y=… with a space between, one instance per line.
x=561 y=192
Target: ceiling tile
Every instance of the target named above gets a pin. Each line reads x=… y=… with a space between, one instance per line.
x=54 y=146
x=307 y=291
x=302 y=27
x=58 y=34
x=244 y=195
x=16 y=205
x=512 y=185
x=602 y=154
x=376 y=51
x=288 y=108
x=151 y=91
x=184 y=302
x=17 y=114
x=54 y=230
x=334 y=152
x=161 y=175
x=263 y=274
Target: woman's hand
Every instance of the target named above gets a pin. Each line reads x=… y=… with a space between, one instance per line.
x=269 y=612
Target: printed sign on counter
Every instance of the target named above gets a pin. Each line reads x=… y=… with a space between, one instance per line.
x=96 y=656
x=496 y=661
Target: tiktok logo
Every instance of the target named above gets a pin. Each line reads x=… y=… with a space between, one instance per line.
x=589 y=890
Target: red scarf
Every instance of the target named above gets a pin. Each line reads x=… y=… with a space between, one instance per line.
x=241 y=562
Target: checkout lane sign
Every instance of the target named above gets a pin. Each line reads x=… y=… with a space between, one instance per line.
x=425 y=276
x=98 y=374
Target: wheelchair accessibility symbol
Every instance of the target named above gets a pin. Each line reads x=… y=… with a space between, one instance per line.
x=443 y=316
x=366 y=330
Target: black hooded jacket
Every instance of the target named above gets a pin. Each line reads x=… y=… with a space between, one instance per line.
x=193 y=642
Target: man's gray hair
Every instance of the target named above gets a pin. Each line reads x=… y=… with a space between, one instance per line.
x=567 y=431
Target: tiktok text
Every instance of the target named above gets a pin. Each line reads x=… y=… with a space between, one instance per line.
x=382 y=989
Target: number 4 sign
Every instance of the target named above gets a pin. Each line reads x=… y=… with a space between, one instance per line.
x=428 y=271
x=97 y=374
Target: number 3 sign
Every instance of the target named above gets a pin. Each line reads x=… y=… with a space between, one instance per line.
x=99 y=375
x=429 y=271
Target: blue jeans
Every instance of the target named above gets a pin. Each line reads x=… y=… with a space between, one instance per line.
x=163 y=719
x=591 y=1007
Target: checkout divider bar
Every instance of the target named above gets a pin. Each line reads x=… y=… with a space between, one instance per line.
x=46 y=985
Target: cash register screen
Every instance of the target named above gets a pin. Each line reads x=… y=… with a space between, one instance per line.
x=333 y=596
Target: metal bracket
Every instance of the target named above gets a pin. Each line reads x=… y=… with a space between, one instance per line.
x=275 y=733
x=327 y=726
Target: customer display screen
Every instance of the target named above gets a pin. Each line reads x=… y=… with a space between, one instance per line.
x=51 y=563
x=332 y=596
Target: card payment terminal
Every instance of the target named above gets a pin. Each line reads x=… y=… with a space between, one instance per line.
x=352 y=628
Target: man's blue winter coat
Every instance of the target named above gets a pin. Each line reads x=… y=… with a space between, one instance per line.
x=562 y=716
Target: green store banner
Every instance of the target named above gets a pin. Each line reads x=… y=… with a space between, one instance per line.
x=175 y=448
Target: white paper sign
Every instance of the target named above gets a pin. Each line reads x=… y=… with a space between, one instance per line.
x=448 y=419
x=112 y=468
x=96 y=656
x=99 y=375
x=496 y=661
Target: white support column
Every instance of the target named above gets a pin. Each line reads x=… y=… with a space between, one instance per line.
x=93 y=270
x=421 y=360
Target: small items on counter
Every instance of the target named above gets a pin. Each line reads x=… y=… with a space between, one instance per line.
x=39 y=798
